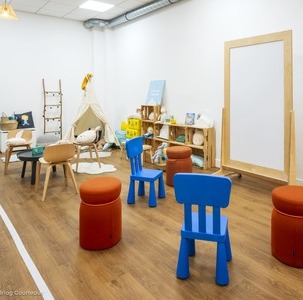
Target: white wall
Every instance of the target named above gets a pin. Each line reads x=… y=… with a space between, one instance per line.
x=183 y=44
x=37 y=47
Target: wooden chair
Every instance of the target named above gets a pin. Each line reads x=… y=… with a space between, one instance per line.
x=17 y=138
x=202 y=191
x=134 y=149
x=147 y=149
x=56 y=155
x=92 y=145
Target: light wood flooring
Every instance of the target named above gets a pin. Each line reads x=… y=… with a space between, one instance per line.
x=142 y=265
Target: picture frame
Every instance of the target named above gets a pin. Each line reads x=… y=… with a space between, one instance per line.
x=155 y=92
x=190 y=119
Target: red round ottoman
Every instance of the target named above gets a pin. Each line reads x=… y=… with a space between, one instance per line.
x=287 y=225
x=100 y=216
x=178 y=161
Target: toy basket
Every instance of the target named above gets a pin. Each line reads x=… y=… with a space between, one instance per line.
x=8 y=124
x=4 y=118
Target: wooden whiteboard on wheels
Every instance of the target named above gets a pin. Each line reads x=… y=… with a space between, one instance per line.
x=258 y=120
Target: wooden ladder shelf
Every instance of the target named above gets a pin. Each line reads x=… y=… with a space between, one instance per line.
x=52 y=110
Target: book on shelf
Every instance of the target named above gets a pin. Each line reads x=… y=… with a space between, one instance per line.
x=190 y=119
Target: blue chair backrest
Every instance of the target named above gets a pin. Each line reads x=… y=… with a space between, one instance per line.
x=202 y=190
x=134 y=149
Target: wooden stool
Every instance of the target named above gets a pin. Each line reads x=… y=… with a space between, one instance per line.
x=287 y=225
x=178 y=161
x=100 y=217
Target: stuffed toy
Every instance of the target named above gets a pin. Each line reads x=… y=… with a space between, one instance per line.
x=160 y=153
x=150 y=133
x=88 y=136
x=164 y=155
x=173 y=120
x=163 y=116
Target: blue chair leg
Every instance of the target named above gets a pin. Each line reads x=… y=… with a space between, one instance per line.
x=191 y=247
x=222 y=277
x=183 y=260
x=161 y=189
x=131 y=192
x=152 y=202
x=228 y=247
x=141 y=189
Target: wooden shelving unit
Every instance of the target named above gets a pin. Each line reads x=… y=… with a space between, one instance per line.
x=150 y=115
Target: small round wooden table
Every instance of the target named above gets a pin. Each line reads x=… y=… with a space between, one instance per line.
x=26 y=156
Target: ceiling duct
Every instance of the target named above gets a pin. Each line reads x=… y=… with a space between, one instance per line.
x=131 y=15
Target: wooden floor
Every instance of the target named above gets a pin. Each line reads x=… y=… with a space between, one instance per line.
x=143 y=264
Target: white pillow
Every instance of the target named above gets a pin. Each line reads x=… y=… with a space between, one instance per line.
x=15 y=141
x=86 y=137
x=19 y=134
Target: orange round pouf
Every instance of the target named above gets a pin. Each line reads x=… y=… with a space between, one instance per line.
x=100 y=215
x=178 y=161
x=287 y=225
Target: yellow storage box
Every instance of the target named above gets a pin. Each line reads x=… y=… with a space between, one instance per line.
x=131 y=133
x=134 y=124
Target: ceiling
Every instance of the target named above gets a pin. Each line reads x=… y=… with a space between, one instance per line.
x=69 y=9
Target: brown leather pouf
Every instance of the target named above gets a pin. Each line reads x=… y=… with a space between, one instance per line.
x=178 y=161
x=287 y=225
x=100 y=216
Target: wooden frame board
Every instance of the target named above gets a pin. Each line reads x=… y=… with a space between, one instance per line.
x=258 y=118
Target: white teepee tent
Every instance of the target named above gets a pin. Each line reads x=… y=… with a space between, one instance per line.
x=90 y=115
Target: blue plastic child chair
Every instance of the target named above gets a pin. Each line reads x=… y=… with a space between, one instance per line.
x=134 y=149
x=202 y=191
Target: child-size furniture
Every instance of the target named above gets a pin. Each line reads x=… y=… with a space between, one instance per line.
x=100 y=216
x=53 y=155
x=28 y=156
x=17 y=138
x=202 y=191
x=178 y=161
x=88 y=139
x=287 y=225
x=134 y=149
